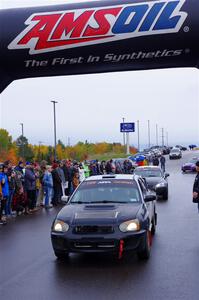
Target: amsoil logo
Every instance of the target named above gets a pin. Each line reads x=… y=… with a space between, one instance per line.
x=52 y=31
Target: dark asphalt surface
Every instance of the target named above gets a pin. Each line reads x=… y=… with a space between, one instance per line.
x=29 y=269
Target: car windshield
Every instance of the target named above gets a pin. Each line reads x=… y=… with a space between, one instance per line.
x=175 y=151
x=148 y=172
x=106 y=191
x=194 y=160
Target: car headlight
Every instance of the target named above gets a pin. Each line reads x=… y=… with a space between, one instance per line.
x=60 y=226
x=131 y=225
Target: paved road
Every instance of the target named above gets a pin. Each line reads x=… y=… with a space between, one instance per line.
x=29 y=270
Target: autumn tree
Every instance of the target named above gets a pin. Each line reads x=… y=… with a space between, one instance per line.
x=5 y=142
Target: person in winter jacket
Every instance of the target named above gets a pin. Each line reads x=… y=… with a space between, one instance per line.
x=57 y=184
x=2 y=200
x=12 y=186
x=48 y=187
x=81 y=173
x=196 y=186
x=30 y=186
x=162 y=162
x=155 y=161
x=5 y=191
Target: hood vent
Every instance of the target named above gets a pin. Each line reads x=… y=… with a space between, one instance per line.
x=96 y=215
x=99 y=207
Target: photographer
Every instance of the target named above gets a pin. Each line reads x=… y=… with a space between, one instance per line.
x=196 y=186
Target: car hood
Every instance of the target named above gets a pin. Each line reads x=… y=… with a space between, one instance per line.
x=174 y=153
x=189 y=165
x=152 y=181
x=103 y=213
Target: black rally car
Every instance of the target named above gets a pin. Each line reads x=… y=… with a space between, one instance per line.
x=106 y=213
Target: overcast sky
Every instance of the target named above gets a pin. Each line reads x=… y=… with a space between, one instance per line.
x=92 y=106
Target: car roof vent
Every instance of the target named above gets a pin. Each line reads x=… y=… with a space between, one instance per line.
x=108 y=176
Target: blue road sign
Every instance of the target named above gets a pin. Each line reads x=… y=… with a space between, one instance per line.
x=127 y=127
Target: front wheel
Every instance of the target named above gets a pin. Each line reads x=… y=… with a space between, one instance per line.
x=165 y=195
x=154 y=222
x=145 y=253
x=61 y=255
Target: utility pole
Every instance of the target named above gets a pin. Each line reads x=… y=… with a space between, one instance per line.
x=22 y=134
x=149 y=137
x=55 y=134
x=138 y=130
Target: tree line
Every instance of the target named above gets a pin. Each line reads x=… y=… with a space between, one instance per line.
x=22 y=149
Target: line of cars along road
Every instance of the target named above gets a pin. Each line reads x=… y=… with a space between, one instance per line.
x=112 y=213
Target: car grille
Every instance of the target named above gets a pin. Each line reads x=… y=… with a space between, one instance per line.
x=93 y=229
x=94 y=245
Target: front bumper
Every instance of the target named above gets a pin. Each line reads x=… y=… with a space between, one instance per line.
x=188 y=169
x=174 y=156
x=69 y=242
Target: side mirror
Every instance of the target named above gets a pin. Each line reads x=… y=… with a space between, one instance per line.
x=149 y=198
x=166 y=175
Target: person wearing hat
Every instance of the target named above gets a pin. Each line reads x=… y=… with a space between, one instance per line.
x=196 y=186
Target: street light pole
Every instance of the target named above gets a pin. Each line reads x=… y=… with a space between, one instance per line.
x=22 y=134
x=162 y=136
x=138 y=130
x=167 y=138
x=156 y=134
x=55 y=137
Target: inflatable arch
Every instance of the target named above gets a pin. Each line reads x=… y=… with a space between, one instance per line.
x=94 y=37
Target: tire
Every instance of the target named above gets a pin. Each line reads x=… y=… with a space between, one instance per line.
x=145 y=253
x=154 y=222
x=61 y=255
x=165 y=195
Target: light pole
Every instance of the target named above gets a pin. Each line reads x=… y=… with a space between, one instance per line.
x=162 y=136
x=156 y=134
x=22 y=134
x=55 y=137
x=149 y=138
x=138 y=130
x=167 y=138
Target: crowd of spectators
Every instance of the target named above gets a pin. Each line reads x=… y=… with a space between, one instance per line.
x=30 y=186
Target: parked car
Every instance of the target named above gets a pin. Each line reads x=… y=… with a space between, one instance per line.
x=190 y=166
x=182 y=148
x=175 y=153
x=155 y=178
x=107 y=213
